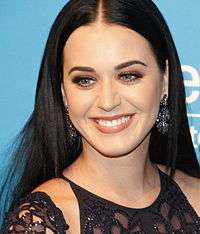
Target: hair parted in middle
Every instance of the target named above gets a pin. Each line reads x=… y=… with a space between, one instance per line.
x=45 y=149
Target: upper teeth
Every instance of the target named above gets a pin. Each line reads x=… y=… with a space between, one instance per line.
x=114 y=122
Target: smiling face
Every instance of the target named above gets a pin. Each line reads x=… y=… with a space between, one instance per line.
x=112 y=86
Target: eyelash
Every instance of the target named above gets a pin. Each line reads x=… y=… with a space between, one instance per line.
x=77 y=80
x=136 y=75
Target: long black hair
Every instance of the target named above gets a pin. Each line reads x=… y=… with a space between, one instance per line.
x=44 y=148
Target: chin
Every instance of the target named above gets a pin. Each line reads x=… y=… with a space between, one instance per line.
x=116 y=150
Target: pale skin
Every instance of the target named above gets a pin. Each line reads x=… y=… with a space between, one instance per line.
x=117 y=162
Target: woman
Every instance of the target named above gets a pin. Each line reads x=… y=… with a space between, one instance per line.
x=110 y=124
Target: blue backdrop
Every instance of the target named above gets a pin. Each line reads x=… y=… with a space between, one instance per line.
x=24 y=26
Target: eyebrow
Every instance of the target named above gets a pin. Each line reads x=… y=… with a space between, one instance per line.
x=118 y=67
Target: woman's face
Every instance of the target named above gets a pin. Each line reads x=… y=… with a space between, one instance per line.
x=112 y=87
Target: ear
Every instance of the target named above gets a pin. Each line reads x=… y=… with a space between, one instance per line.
x=63 y=95
x=166 y=80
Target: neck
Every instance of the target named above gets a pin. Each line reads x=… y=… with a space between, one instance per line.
x=122 y=175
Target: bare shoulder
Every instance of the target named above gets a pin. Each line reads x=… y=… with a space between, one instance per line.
x=55 y=188
x=189 y=185
x=63 y=197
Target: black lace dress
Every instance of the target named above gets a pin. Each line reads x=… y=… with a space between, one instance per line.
x=170 y=213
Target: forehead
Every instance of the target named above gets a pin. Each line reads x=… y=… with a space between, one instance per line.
x=105 y=44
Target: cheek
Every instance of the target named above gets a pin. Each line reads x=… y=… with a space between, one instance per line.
x=145 y=96
x=150 y=98
x=78 y=102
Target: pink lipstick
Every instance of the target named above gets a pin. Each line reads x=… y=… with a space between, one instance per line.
x=113 y=124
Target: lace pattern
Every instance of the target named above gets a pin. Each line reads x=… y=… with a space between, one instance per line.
x=170 y=213
x=36 y=214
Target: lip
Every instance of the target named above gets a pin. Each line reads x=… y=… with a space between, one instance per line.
x=113 y=117
x=113 y=129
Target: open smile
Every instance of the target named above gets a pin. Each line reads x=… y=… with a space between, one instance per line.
x=113 y=124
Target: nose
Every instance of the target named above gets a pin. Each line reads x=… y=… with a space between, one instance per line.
x=109 y=97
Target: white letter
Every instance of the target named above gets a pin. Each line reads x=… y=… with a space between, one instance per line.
x=193 y=132
x=194 y=82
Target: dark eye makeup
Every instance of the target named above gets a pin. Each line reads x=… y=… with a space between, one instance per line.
x=83 y=81
x=125 y=77
x=130 y=76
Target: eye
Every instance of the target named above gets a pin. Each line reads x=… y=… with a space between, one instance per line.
x=83 y=81
x=130 y=76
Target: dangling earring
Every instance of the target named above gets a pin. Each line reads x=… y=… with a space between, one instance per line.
x=70 y=127
x=162 y=121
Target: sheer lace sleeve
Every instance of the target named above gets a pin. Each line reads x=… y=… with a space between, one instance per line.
x=36 y=214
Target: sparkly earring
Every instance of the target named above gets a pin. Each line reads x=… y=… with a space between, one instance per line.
x=162 y=121
x=70 y=128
